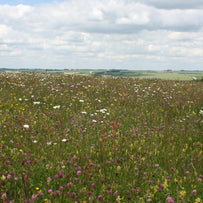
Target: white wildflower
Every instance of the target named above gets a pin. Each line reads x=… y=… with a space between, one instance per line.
x=36 y=102
x=26 y=126
x=57 y=107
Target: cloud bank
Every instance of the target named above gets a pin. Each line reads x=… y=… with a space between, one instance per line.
x=131 y=34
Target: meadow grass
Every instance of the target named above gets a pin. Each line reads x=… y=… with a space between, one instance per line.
x=70 y=138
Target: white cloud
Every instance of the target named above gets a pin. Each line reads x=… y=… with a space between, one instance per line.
x=102 y=33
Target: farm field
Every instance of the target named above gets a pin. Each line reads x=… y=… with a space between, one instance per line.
x=142 y=74
x=79 y=138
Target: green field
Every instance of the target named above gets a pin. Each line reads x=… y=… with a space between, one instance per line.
x=165 y=75
x=80 y=138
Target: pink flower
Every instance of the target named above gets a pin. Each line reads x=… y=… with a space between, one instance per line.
x=9 y=176
x=69 y=184
x=40 y=194
x=150 y=182
x=194 y=192
x=57 y=192
x=78 y=173
x=48 y=179
x=34 y=197
x=4 y=196
x=50 y=191
x=115 y=194
x=170 y=199
x=133 y=190
x=100 y=198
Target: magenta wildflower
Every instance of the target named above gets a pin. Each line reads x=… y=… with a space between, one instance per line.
x=133 y=190
x=69 y=184
x=60 y=174
x=4 y=196
x=115 y=194
x=34 y=197
x=78 y=173
x=138 y=189
x=170 y=199
x=100 y=198
x=57 y=192
x=89 y=192
x=194 y=192
x=40 y=194
x=50 y=190
x=150 y=182
x=9 y=177
x=48 y=179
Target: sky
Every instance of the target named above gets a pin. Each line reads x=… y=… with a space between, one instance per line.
x=102 y=34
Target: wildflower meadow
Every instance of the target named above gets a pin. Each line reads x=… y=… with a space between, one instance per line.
x=71 y=138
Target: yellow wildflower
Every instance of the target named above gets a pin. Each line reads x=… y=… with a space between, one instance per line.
x=198 y=200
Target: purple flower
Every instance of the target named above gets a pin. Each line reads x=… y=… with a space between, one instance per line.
x=115 y=194
x=170 y=199
x=9 y=176
x=40 y=194
x=100 y=198
x=60 y=174
x=57 y=192
x=4 y=196
x=150 y=182
x=78 y=173
x=34 y=197
x=69 y=184
x=194 y=192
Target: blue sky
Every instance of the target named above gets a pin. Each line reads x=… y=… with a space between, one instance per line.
x=95 y=34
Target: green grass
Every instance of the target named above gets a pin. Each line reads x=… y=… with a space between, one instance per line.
x=78 y=138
